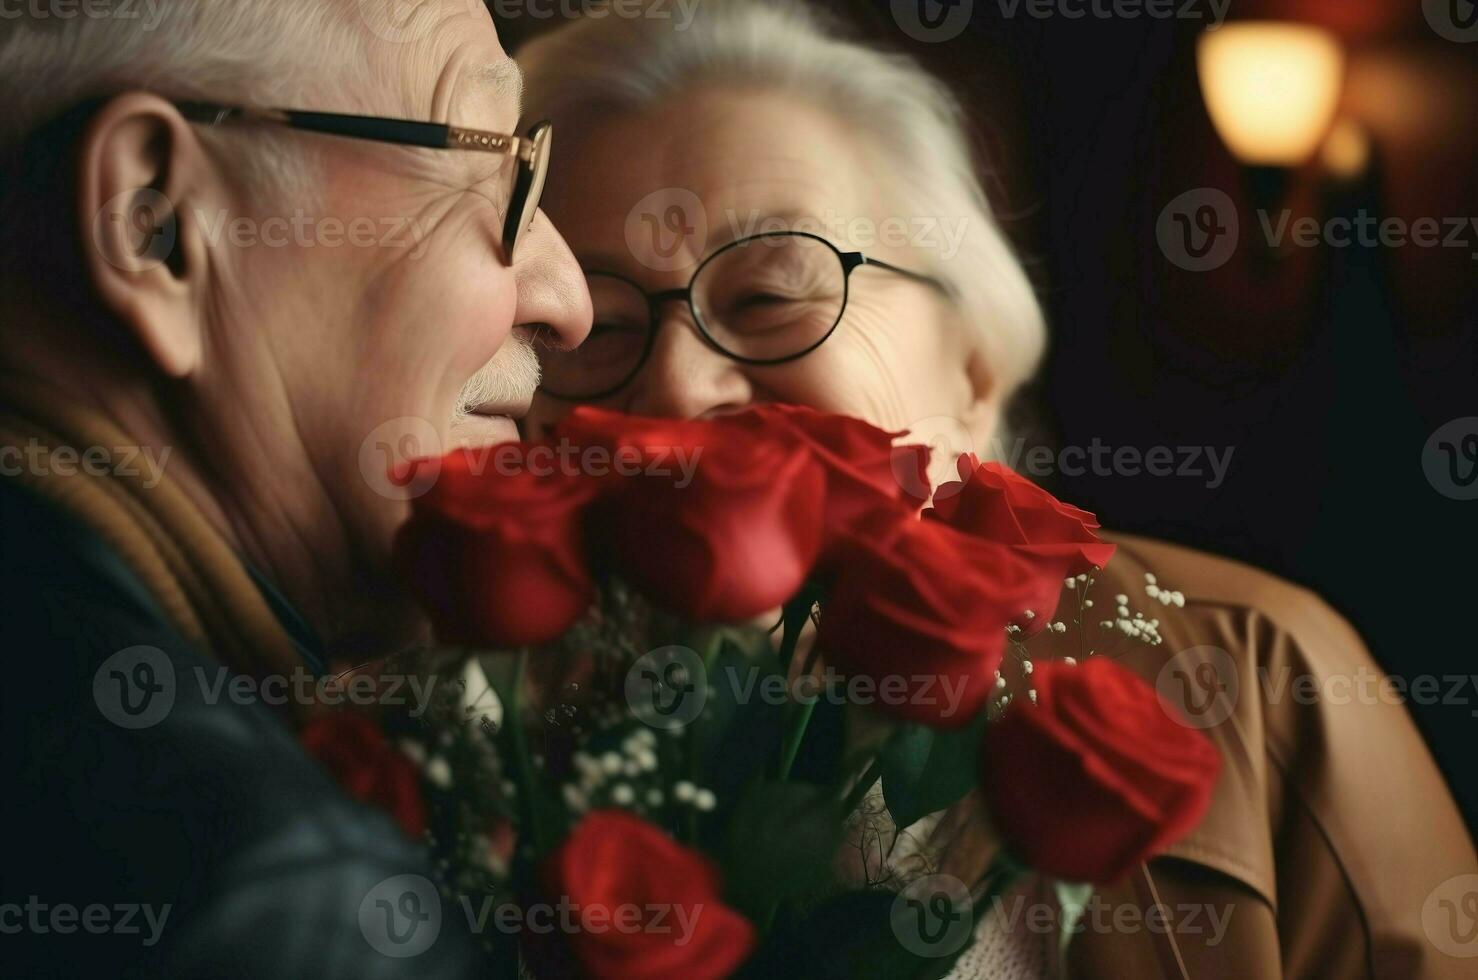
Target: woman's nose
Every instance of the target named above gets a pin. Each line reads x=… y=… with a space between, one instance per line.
x=552 y=292
x=684 y=377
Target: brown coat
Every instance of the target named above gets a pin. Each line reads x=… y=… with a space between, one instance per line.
x=1333 y=847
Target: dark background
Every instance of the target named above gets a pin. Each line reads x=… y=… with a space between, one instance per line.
x=1325 y=370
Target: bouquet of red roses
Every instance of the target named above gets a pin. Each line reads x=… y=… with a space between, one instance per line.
x=689 y=651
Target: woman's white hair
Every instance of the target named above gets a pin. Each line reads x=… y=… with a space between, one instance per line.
x=625 y=63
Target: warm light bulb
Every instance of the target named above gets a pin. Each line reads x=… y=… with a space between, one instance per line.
x=1271 y=88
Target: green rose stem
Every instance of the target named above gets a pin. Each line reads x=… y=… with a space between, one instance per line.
x=865 y=782
x=710 y=642
x=798 y=716
x=529 y=795
x=793 y=617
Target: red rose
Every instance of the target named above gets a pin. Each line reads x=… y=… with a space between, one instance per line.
x=1095 y=777
x=862 y=465
x=352 y=748
x=495 y=548
x=725 y=525
x=995 y=502
x=647 y=907
x=919 y=604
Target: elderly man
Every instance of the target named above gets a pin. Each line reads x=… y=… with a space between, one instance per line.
x=222 y=323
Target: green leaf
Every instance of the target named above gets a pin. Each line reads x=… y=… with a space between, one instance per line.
x=741 y=724
x=926 y=770
x=1073 y=898
x=779 y=845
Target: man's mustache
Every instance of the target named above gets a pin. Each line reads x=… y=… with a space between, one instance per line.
x=510 y=377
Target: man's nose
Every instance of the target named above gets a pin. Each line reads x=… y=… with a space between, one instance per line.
x=684 y=377
x=551 y=288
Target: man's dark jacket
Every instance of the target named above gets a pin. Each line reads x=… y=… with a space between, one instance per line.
x=213 y=816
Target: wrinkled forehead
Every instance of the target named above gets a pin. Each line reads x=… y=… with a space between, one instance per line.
x=438 y=60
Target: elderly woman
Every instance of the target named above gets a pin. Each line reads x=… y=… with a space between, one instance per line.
x=767 y=213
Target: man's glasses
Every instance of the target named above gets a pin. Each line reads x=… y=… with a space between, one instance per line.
x=531 y=152
x=765 y=299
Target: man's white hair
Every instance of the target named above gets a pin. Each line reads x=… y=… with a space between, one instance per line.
x=619 y=64
x=54 y=56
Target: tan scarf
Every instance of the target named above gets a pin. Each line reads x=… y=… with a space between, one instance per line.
x=182 y=560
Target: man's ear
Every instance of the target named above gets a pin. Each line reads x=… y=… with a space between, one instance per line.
x=139 y=165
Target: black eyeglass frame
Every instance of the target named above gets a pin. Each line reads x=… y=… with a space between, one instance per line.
x=850 y=262
x=530 y=152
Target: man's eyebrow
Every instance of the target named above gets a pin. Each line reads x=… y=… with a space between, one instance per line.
x=504 y=78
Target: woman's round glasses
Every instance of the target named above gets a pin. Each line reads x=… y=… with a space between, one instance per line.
x=765 y=299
